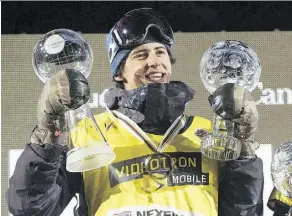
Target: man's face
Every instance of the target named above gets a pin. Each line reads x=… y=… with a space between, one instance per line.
x=148 y=63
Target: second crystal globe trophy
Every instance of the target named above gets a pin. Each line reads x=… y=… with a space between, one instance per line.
x=225 y=62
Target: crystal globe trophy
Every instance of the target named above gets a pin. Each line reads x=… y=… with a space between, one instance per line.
x=225 y=62
x=62 y=49
x=281 y=169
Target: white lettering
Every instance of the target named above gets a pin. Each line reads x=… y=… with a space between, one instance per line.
x=98 y=100
x=175 y=179
x=182 y=161
x=182 y=179
x=280 y=96
x=94 y=103
x=269 y=96
x=204 y=178
x=288 y=95
x=201 y=178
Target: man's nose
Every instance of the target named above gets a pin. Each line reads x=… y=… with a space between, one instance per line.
x=153 y=60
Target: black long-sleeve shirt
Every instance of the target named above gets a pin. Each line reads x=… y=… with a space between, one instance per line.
x=41 y=185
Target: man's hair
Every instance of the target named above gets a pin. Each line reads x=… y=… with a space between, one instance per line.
x=120 y=84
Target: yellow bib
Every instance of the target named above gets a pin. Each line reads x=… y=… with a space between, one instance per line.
x=116 y=189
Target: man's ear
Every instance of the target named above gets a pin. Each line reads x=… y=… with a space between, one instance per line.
x=119 y=77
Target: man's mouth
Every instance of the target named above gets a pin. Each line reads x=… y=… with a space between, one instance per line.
x=155 y=77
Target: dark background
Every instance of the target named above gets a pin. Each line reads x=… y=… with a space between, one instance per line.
x=98 y=17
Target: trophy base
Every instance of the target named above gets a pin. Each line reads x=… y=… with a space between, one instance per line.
x=220 y=147
x=91 y=157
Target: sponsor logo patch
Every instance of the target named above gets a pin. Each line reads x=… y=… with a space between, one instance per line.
x=188 y=170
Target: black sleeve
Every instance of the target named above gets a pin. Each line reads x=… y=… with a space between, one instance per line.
x=41 y=185
x=241 y=189
x=280 y=214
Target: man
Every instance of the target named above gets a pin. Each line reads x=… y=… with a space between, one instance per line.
x=159 y=169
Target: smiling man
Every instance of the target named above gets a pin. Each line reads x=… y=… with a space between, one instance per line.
x=159 y=169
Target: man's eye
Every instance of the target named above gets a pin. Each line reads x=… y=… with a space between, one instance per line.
x=160 y=52
x=142 y=55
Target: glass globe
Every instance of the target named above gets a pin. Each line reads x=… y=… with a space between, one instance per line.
x=281 y=169
x=61 y=49
x=230 y=61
